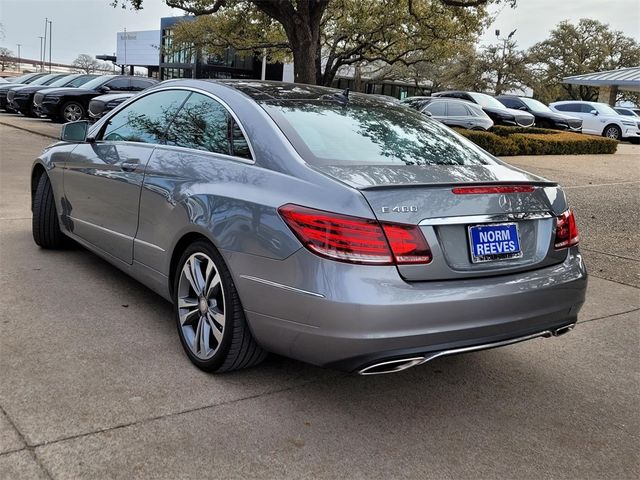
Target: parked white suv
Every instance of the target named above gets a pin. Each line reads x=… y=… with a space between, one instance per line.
x=600 y=119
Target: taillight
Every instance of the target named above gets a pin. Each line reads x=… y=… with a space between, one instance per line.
x=489 y=189
x=566 y=230
x=356 y=240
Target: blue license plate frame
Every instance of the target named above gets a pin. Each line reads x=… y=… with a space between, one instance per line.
x=482 y=251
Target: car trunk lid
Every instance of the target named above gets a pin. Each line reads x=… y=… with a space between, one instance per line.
x=426 y=196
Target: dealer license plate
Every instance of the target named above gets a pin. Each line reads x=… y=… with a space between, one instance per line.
x=496 y=241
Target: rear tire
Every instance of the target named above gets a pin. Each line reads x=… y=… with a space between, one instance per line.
x=209 y=316
x=45 y=227
x=72 y=112
x=612 y=131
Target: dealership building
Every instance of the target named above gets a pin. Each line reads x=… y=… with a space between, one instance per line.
x=152 y=50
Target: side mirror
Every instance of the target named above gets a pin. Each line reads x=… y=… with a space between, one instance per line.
x=594 y=112
x=74 y=131
x=105 y=89
x=523 y=108
x=427 y=113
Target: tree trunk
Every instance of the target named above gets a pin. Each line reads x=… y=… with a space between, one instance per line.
x=301 y=22
x=304 y=62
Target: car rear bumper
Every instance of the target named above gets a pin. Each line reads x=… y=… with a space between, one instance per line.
x=356 y=316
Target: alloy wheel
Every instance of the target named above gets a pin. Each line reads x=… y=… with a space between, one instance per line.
x=72 y=112
x=201 y=306
x=612 y=132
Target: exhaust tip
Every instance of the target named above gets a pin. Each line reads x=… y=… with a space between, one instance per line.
x=562 y=330
x=392 y=366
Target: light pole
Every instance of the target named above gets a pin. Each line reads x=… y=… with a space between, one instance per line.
x=44 y=50
x=50 y=41
x=19 y=60
x=41 y=61
x=503 y=66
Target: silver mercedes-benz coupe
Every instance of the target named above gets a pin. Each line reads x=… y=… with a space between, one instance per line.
x=326 y=226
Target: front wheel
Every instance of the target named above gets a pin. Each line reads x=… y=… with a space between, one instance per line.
x=210 y=319
x=612 y=131
x=72 y=112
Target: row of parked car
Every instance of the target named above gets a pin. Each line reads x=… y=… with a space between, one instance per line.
x=67 y=98
x=479 y=111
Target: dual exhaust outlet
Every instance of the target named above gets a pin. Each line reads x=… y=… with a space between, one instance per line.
x=398 y=365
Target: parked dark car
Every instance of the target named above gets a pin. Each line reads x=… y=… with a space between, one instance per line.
x=545 y=117
x=500 y=114
x=105 y=103
x=41 y=82
x=20 y=99
x=452 y=112
x=628 y=111
x=16 y=82
x=71 y=104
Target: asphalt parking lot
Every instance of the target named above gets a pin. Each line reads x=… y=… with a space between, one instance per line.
x=94 y=383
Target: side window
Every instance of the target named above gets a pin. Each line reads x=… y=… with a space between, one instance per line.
x=79 y=81
x=567 y=107
x=510 y=103
x=239 y=144
x=437 y=109
x=121 y=84
x=138 y=84
x=204 y=124
x=586 y=108
x=456 y=109
x=145 y=120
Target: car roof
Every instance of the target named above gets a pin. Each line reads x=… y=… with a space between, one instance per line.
x=261 y=90
x=572 y=101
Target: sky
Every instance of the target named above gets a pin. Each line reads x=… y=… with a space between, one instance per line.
x=90 y=26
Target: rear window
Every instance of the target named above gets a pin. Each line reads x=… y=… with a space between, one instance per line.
x=368 y=132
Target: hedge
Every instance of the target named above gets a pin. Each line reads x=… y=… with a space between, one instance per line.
x=506 y=141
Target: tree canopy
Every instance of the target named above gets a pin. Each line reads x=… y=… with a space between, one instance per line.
x=573 y=49
x=321 y=36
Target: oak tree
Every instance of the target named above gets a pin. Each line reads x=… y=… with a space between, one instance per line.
x=321 y=36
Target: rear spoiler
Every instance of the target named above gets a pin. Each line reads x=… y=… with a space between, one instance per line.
x=456 y=184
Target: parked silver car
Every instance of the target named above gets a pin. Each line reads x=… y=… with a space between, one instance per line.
x=325 y=226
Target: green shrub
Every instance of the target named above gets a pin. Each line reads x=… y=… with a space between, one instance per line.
x=506 y=131
x=507 y=141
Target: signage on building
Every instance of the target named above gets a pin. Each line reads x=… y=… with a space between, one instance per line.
x=141 y=49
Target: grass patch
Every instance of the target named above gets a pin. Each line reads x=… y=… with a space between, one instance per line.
x=506 y=141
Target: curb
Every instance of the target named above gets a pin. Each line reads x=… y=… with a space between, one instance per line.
x=35 y=132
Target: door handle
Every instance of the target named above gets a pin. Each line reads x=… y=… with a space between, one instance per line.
x=129 y=166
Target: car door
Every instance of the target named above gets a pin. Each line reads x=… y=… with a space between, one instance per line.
x=205 y=150
x=591 y=123
x=457 y=115
x=438 y=110
x=575 y=110
x=102 y=178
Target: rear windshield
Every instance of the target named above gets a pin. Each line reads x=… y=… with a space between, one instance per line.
x=369 y=132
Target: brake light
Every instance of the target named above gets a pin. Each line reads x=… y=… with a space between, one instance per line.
x=356 y=240
x=566 y=230
x=493 y=189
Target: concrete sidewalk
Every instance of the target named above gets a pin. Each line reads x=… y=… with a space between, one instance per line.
x=94 y=383
x=38 y=126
